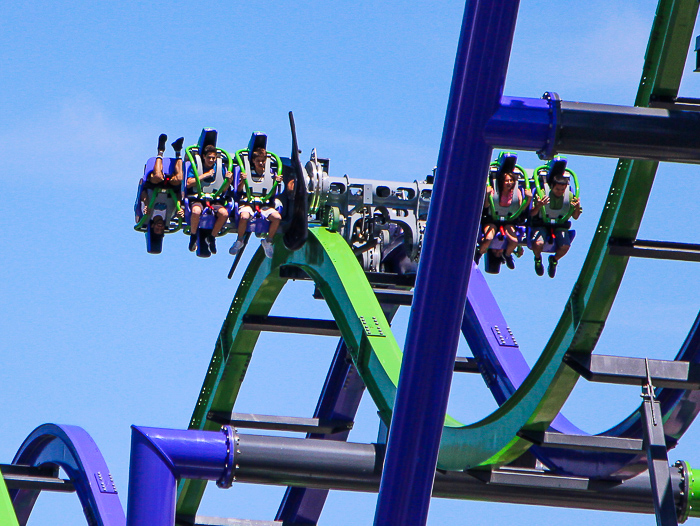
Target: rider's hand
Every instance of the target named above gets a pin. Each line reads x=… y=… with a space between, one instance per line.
x=180 y=213
x=541 y=201
x=528 y=193
x=228 y=175
x=278 y=178
x=242 y=176
x=489 y=190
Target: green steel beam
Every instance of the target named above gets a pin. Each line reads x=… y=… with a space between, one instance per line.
x=329 y=261
x=327 y=258
x=7 y=511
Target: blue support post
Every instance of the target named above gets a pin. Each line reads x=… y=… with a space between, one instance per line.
x=160 y=456
x=446 y=259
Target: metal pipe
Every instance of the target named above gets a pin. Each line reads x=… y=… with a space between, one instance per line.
x=160 y=456
x=331 y=465
x=601 y=130
x=426 y=371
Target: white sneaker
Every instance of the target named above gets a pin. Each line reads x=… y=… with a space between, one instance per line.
x=267 y=247
x=238 y=245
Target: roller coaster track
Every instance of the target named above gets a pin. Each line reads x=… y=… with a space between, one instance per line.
x=528 y=405
x=529 y=400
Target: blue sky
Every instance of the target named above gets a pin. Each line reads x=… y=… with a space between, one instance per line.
x=97 y=333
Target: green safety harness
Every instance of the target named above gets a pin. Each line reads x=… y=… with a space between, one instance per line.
x=248 y=191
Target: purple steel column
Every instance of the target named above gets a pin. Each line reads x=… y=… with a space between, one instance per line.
x=159 y=457
x=446 y=258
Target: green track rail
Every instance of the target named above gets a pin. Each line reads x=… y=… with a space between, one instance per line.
x=7 y=511
x=327 y=258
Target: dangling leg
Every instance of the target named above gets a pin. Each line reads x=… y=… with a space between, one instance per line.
x=244 y=214
x=194 y=224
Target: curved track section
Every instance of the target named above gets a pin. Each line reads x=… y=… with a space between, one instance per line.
x=536 y=399
x=505 y=369
x=594 y=293
x=73 y=450
x=329 y=261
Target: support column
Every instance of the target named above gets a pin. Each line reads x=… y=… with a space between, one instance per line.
x=446 y=259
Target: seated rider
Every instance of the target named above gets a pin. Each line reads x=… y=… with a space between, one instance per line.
x=197 y=205
x=266 y=208
x=158 y=180
x=506 y=199
x=555 y=204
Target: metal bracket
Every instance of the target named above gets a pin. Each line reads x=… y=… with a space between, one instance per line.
x=653 y=249
x=657 y=456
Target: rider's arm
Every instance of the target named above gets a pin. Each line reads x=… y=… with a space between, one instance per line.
x=577 y=208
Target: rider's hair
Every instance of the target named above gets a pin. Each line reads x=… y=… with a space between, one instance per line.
x=501 y=178
x=209 y=148
x=259 y=151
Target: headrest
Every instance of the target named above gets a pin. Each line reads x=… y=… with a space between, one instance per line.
x=506 y=162
x=257 y=140
x=556 y=171
x=207 y=137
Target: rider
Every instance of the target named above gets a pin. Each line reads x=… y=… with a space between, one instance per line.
x=506 y=199
x=557 y=203
x=248 y=205
x=209 y=156
x=158 y=180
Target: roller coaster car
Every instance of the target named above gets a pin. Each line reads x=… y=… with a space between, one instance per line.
x=211 y=191
x=515 y=214
x=553 y=218
x=162 y=202
x=259 y=189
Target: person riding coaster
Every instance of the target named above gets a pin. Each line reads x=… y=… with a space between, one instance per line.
x=158 y=210
x=258 y=178
x=503 y=222
x=556 y=202
x=207 y=206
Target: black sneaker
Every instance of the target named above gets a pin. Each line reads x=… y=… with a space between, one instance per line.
x=510 y=262
x=177 y=145
x=552 y=267
x=193 y=242
x=211 y=241
x=161 y=142
x=539 y=267
x=477 y=255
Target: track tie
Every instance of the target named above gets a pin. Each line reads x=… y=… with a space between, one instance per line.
x=34 y=478
x=653 y=249
x=632 y=371
x=252 y=322
x=374 y=278
x=384 y=296
x=201 y=520
x=583 y=442
x=531 y=478
x=280 y=423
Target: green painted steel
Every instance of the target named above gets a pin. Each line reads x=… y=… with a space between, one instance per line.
x=692 y=508
x=523 y=203
x=330 y=262
x=225 y=184
x=249 y=195
x=327 y=258
x=7 y=511
x=140 y=225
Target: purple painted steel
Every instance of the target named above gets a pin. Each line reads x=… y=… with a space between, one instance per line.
x=520 y=123
x=339 y=400
x=504 y=370
x=158 y=458
x=72 y=449
x=446 y=259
